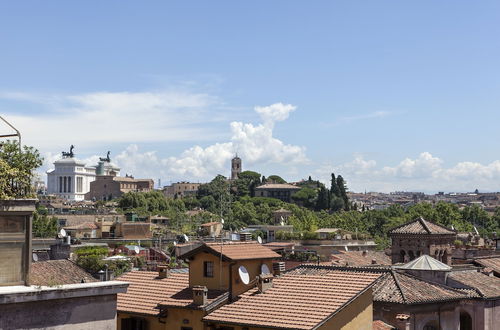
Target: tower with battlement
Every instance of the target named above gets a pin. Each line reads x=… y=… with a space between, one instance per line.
x=235 y=167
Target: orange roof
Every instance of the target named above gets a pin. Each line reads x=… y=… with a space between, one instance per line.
x=235 y=251
x=421 y=226
x=146 y=291
x=380 y=325
x=492 y=262
x=295 y=301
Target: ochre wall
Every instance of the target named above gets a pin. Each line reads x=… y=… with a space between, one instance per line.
x=174 y=320
x=214 y=283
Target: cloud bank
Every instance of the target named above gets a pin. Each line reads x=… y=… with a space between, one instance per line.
x=422 y=173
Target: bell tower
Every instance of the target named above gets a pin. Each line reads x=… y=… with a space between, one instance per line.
x=235 y=167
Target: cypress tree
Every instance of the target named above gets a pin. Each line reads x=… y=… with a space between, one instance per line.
x=343 y=191
x=334 y=188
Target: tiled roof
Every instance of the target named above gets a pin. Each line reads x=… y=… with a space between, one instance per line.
x=296 y=301
x=402 y=288
x=146 y=291
x=58 y=272
x=277 y=186
x=486 y=286
x=235 y=251
x=360 y=258
x=380 y=325
x=425 y=262
x=421 y=226
x=85 y=225
x=492 y=262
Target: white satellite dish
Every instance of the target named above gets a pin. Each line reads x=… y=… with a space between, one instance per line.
x=137 y=250
x=259 y=239
x=62 y=232
x=475 y=229
x=186 y=238
x=244 y=276
x=346 y=248
x=282 y=223
x=175 y=243
x=35 y=257
x=452 y=228
x=222 y=220
x=264 y=269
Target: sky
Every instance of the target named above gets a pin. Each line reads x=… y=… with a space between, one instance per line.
x=392 y=95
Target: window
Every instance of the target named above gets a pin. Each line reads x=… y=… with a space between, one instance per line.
x=79 y=184
x=134 y=323
x=208 y=269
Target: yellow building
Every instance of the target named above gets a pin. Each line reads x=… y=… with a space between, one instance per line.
x=229 y=286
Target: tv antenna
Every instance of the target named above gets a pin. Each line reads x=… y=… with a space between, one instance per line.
x=17 y=134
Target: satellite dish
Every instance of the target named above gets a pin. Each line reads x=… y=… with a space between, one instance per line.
x=282 y=223
x=452 y=228
x=259 y=239
x=137 y=250
x=175 y=243
x=62 y=232
x=264 y=269
x=475 y=229
x=186 y=238
x=244 y=276
x=35 y=257
x=346 y=248
x=222 y=220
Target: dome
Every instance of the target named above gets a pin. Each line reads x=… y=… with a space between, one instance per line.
x=424 y=262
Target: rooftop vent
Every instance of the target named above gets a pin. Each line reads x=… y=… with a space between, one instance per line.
x=265 y=282
x=163 y=271
x=278 y=267
x=200 y=294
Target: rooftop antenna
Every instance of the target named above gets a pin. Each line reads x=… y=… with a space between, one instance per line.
x=12 y=135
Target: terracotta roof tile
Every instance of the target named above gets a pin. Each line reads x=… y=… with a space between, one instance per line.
x=235 y=250
x=421 y=226
x=277 y=186
x=486 y=286
x=406 y=289
x=492 y=262
x=295 y=301
x=146 y=291
x=360 y=258
x=380 y=325
x=58 y=272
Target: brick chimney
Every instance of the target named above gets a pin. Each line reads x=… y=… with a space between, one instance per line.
x=265 y=282
x=200 y=293
x=163 y=271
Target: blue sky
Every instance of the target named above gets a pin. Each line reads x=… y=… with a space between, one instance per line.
x=392 y=95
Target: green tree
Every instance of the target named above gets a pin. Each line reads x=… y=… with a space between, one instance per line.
x=246 y=183
x=323 y=200
x=275 y=179
x=43 y=225
x=306 y=197
x=343 y=191
x=17 y=170
x=334 y=189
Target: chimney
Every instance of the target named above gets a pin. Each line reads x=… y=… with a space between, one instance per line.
x=200 y=293
x=365 y=252
x=278 y=267
x=265 y=282
x=374 y=261
x=163 y=271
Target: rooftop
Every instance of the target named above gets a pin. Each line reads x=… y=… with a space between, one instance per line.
x=277 y=186
x=485 y=286
x=58 y=272
x=380 y=325
x=425 y=262
x=296 y=301
x=235 y=251
x=421 y=226
x=361 y=258
x=492 y=262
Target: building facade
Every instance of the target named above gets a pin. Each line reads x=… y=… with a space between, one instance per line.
x=181 y=189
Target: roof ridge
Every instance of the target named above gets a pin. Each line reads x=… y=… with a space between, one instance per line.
x=423 y=223
x=444 y=286
x=396 y=280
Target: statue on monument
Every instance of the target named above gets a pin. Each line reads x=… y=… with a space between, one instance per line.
x=107 y=159
x=69 y=154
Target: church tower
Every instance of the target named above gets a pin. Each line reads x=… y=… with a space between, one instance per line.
x=235 y=167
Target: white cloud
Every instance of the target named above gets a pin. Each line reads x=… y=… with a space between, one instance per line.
x=275 y=112
x=255 y=144
x=423 y=173
x=104 y=118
